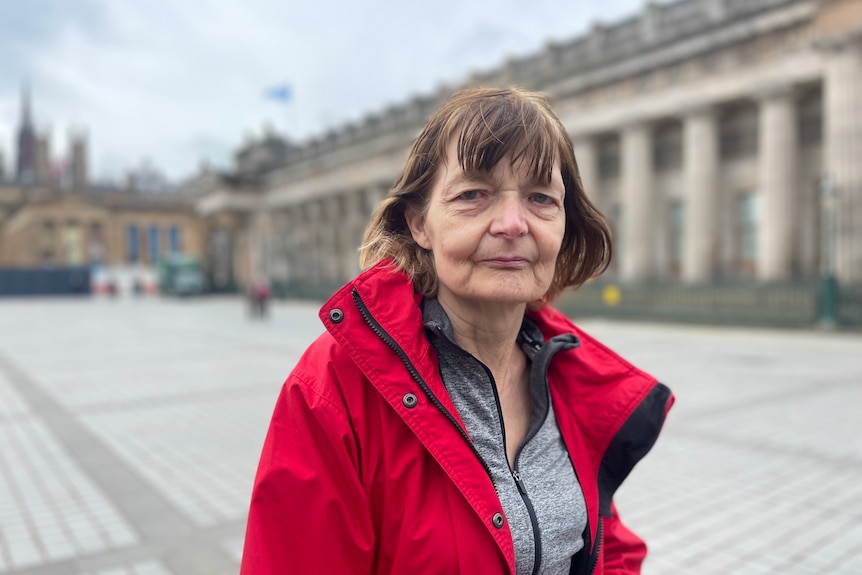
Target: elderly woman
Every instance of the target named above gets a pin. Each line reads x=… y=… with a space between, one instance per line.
x=449 y=420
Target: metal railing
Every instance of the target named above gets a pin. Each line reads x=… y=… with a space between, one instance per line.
x=784 y=305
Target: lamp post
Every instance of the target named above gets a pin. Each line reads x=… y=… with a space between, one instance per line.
x=829 y=283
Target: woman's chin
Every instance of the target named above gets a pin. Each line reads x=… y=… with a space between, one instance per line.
x=507 y=295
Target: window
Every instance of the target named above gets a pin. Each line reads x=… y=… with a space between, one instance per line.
x=154 y=244
x=677 y=223
x=810 y=120
x=747 y=222
x=609 y=158
x=175 y=240
x=95 y=244
x=73 y=243
x=132 y=240
x=667 y=147
x=738 y=132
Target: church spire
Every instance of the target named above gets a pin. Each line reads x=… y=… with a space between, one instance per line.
x=26 y=114
x=26 y=168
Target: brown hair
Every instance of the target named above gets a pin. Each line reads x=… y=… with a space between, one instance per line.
x=489 y=125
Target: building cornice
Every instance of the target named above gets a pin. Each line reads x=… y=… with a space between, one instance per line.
x=227 y=200
x=708 y=41
x=658 y=36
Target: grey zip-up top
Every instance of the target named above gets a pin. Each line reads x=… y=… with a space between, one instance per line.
x=541 y=497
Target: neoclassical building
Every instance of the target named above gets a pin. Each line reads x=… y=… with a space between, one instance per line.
x=721 y=138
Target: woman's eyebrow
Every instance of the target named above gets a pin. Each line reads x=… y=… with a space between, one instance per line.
x=471 y=177
x=474 y=175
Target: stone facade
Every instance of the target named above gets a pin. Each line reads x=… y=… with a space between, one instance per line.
x=704 y=131
x=46 y=220
x=41 y=226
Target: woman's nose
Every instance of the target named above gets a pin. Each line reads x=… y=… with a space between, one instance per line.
x=509 y=218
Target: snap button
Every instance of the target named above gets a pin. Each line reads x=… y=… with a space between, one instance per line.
x=409 y=400
x=336 y=315
x=497 y=520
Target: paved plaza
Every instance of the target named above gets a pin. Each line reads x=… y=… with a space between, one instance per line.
x=130 y=432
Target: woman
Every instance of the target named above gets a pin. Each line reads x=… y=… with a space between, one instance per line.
x=449 y=420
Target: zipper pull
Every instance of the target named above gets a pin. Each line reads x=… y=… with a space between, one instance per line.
x=519 y=482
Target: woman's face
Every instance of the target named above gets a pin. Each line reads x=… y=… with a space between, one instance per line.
x=494 y=235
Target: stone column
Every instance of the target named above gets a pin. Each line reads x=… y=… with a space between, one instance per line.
x=367 y=200
x=297 y=266
x=587 y=156
x=638 y=217
x=277 y=245
x=355 y=222
x=842 y=111
x=295 y=263
x=700 y=176
x=255 y=245
x=312 y=252
x=288 y=238
x=330 y=228
x=374 y=196
x=778 y=151
x=371 y=198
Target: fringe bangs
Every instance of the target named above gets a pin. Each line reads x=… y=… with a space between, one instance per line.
x=490 y=129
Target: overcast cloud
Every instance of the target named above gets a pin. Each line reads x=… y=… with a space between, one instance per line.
x=181 y=81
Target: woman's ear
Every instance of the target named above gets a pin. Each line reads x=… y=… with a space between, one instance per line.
x=416 y=223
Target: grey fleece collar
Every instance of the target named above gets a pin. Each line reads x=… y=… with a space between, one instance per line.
x=530 y=338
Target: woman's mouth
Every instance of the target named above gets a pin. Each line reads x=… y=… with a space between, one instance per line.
x=508 y=262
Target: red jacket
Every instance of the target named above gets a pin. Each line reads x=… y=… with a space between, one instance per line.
x=367 y=469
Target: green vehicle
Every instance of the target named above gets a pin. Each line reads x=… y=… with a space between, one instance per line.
x=181 y=274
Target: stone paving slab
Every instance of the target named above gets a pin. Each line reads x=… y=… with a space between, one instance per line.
x=50 y=509
x=130 y=432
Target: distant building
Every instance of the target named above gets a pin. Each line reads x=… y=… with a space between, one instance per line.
x=238 y=233
x=705 y=130
x=45 y=221
x=109 y=227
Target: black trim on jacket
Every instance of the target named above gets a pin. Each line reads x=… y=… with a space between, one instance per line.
x=631 y=443
x=634 y=439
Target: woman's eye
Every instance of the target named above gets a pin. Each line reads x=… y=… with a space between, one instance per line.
x=543 y=199
x=470 y=195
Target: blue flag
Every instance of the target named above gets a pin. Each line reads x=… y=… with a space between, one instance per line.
x=282 y=93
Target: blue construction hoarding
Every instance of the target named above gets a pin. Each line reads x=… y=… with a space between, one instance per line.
x=23 y=281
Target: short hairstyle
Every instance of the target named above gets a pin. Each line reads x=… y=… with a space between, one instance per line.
x=490 y=124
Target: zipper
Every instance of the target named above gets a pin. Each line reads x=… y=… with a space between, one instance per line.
x=417 y=377
x=522 y=488
x=594 y=560
x=534 y=521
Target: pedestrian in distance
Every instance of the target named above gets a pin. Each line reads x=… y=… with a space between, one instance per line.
x=449 y=419
x=261 y=297
x=257 y=295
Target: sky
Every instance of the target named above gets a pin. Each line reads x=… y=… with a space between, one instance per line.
x=174 y=83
